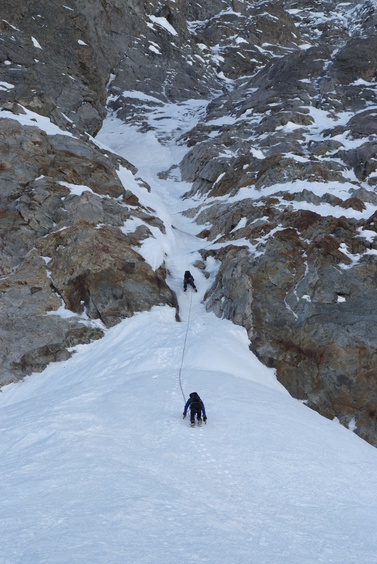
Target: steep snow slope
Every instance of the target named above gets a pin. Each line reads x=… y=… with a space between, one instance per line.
x=98 y=466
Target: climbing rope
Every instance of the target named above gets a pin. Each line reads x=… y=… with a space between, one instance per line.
x=184 y=349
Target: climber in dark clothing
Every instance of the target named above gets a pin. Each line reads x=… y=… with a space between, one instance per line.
x=196 y=408
x=188 y=279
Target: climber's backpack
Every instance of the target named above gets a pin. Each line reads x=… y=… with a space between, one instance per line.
x=195 y=399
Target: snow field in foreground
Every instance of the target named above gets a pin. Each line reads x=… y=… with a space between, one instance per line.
x=98 y=465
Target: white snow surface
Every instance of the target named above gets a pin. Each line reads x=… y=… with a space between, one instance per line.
x=98 y=466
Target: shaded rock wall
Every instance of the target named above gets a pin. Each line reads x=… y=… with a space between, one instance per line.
x=296 y=248
x=64 y=260
x=67 y=269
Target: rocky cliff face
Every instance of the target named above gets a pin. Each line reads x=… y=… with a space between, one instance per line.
x=67 y=269
x=298 y=250
x=282 y=169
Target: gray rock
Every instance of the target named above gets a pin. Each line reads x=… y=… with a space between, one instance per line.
x=55 y=191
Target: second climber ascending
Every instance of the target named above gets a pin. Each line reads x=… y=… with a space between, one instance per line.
x=188 y=279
